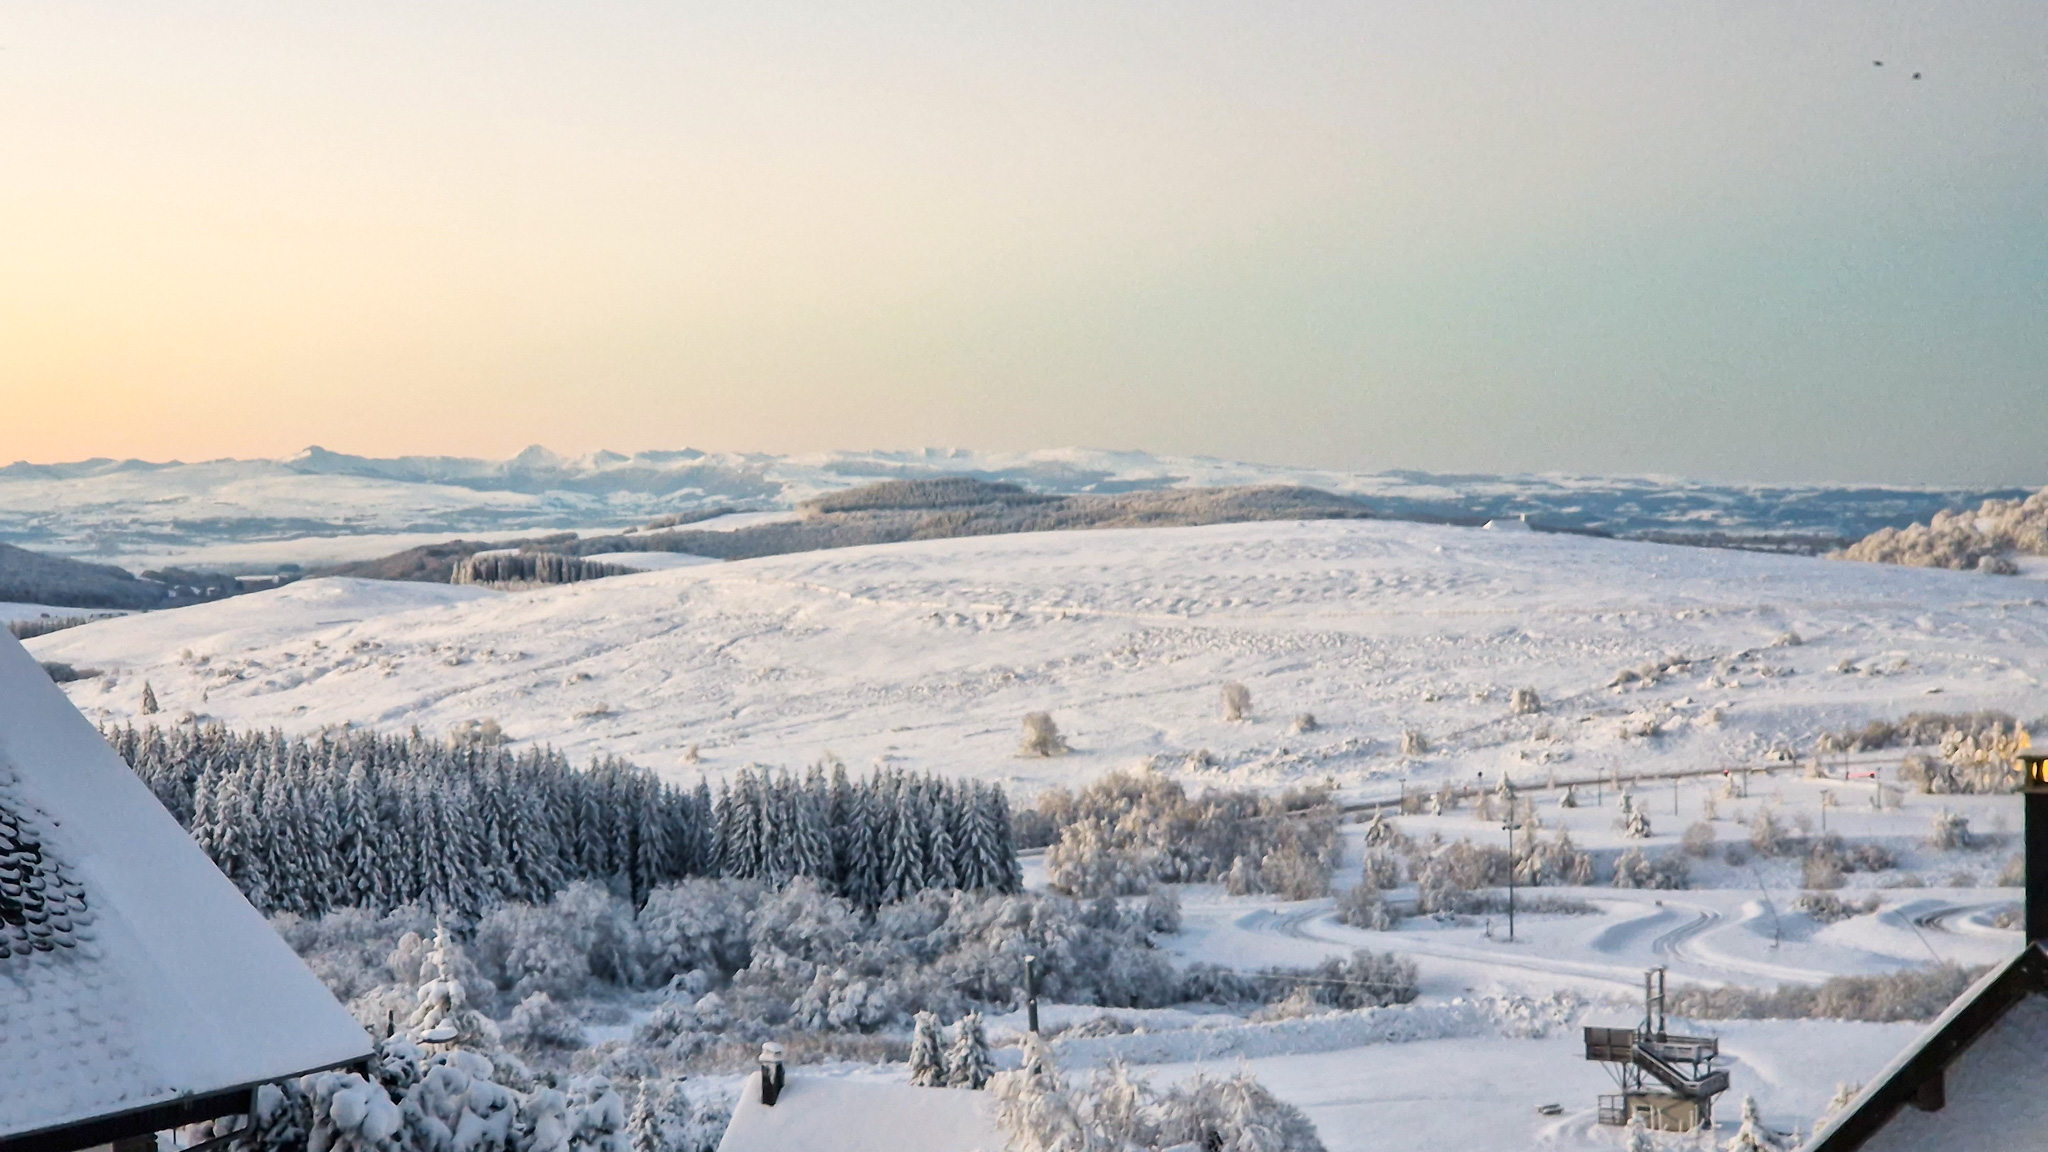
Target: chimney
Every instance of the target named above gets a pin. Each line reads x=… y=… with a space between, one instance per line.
x=771 y=1073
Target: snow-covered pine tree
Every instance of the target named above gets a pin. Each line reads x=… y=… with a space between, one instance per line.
x=149 y=707
x=904 y=862
x=927 y=1057
x=969 y=1064
x=942 y=866
x=863 y=880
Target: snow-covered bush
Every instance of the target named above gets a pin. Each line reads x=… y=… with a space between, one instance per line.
x=1363 y=906
x=539 y=1022
x=1950 y=830
x=1041 y=1112
x=1633 y=821
x=1525 y=702
x=1698 y=840
x=1766 y=835
x=1827 y=908
x=1237 y=702
x=1982 y=540
x=1634 y=869
x=1131 y=830
x=1554 y=861
x=1041 y=736
x=1914 y=994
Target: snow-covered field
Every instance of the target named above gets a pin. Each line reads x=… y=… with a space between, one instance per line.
x=928 y=654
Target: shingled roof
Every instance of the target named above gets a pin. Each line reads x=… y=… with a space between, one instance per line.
x=138 y=989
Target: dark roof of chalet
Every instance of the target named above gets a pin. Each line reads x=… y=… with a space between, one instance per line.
x=1918 y=1076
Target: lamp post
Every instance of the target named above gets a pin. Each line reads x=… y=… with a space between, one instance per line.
x=2033 y=766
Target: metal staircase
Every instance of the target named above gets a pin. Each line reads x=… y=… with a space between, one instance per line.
x=1683 y=1065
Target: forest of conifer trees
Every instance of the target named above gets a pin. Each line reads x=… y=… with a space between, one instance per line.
x=359 y=819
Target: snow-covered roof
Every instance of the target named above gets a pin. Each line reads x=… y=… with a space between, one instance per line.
x=1975 y=1065
x=827 y=1114
x=132 y=973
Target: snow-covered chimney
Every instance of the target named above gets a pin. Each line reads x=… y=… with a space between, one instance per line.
x=771 y=1073
x=2034 y=794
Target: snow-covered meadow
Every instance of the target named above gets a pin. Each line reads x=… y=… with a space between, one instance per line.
x=1649 y=661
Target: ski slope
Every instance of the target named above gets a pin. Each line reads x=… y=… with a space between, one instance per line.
x=928 y=654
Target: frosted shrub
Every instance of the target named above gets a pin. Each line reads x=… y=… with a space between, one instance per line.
x=1827 y=908
x=1362 y=906
x=2013 y=874
x=1413 y=743
x=1766 y=835
x=1381 y=868
x=1977 y=540
x=1698 y=840
x=1912 y=994
x=1636 y=870
x=1237 y=702
x=539 y=1022
x=1951 y=830
x=1553 y=861
x=1115 y=1111
x=1633 y=822
x=1525 y=702
x=1304 y=722
x=1131 y=830
x=1041 y=736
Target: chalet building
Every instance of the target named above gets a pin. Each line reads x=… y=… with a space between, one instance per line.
x=1966 y=1085
x=138 y=990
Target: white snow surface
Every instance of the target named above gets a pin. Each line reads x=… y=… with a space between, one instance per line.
x=652 y=561
x=860 y=1115
x=929 y=653
x=173 y=985
x=1993 y=1103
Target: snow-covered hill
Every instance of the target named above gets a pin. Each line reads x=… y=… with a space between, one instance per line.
x=929 y=653
x=322 y=507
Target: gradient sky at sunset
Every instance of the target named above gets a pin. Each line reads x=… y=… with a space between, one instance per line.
x=1703 y=238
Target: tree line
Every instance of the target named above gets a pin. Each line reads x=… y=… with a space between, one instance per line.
x=362 y=819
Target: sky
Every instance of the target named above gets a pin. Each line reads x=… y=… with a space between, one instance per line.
x=1706 y=239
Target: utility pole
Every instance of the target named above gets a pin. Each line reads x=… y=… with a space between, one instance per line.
x=1031 y=994
x=1511 y=825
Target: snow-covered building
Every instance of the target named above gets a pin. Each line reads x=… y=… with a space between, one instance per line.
x=830 y=1114
x=138 y=990
x=1967 y=1083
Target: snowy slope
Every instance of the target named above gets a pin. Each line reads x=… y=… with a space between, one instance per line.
x=322 y=507
x=929 y=653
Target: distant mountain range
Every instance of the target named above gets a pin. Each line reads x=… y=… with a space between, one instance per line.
x=252 y=514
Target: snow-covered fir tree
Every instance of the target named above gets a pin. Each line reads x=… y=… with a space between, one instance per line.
x=927 y=1057
x=969 y=1063
x=375 y=822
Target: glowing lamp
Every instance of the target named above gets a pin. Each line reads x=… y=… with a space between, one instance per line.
x=2033 y=766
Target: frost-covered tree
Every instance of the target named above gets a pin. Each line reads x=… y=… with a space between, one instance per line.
x=1237 y=702
x=969 y=1064
x=149 y=707
x=1752 y=1136
x=927 y=1056
x=1041 y=736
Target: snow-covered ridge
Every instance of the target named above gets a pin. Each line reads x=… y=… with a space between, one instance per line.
x=320 y=506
